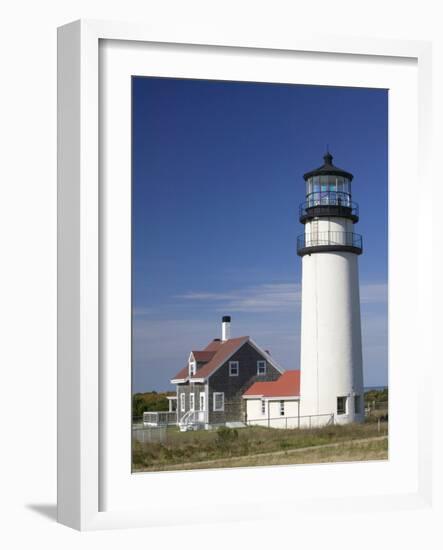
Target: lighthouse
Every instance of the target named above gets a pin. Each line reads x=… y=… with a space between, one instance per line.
x=331 y=385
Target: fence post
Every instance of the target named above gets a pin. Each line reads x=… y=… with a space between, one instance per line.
x=286 y=423
x=310 y=419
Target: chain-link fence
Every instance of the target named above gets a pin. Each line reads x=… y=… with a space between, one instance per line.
x=149 y=434
x=290 y=422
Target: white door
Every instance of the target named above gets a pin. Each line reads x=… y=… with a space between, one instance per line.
x=202 y=407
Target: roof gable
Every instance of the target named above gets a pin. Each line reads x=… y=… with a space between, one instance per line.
x=221 y=352
x=215 y=355
x=266 y=355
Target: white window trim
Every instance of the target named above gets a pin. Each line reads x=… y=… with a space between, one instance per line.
x=192 y=401
x=182 y=402
x=214 y=400
x=260 y=364
x=234 y=364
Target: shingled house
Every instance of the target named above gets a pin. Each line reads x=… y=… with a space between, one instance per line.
x=211 y=385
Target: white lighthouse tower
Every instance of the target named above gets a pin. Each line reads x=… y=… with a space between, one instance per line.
x=331 y=348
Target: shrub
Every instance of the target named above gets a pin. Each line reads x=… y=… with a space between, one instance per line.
x=226 y=437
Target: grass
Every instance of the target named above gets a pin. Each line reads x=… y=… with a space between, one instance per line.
x=255 y=445
x=346 y=451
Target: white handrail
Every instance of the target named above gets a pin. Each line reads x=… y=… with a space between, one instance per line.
x=191 y=418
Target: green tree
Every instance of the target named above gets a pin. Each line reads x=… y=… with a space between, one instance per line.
x=149 y=401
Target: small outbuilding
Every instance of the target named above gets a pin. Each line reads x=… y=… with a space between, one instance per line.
x=274 y=404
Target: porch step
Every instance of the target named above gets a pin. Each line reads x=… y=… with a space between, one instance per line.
x=235 y=425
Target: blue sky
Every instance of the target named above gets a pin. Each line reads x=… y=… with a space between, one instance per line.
x=217 y=181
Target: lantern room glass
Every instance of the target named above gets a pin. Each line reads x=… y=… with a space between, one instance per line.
x=328 y=190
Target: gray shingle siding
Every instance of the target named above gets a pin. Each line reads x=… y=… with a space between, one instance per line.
x=233 y=387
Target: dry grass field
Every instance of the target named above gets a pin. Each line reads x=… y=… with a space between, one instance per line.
x=346 y=451
x=258 y=446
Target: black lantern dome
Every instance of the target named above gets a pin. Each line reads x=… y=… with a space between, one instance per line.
x=328 y=169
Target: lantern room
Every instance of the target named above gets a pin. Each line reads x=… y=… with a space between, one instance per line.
x=328 y=184
x=328 y=193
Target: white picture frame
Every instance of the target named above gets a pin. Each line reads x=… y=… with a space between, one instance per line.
x=83 y=397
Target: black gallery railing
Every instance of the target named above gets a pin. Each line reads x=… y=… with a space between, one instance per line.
x=328 y=204
x=332 y=239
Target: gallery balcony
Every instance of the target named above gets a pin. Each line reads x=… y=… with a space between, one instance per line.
x=329 y=241
x=328 y=205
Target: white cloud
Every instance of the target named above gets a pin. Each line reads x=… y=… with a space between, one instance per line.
x=259 y=298
x=143 y=311
x=273 y=297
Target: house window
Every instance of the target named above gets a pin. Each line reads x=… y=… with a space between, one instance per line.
x=192 y=367
x=191 y=402
x=202 y=401
x=182 y=402
x=263 y=406
x=261 y=368
x=357 y=404
x=233 y=368
x=341 y=405
x=219 y=401
x=282 y=408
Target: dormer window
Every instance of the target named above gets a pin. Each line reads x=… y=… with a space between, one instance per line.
x=192 y=367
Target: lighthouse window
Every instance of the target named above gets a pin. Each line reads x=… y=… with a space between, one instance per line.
x=341 y=405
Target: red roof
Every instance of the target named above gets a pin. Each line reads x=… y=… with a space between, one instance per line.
x=221 y=351
x=288 y=385
x=203 y=356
